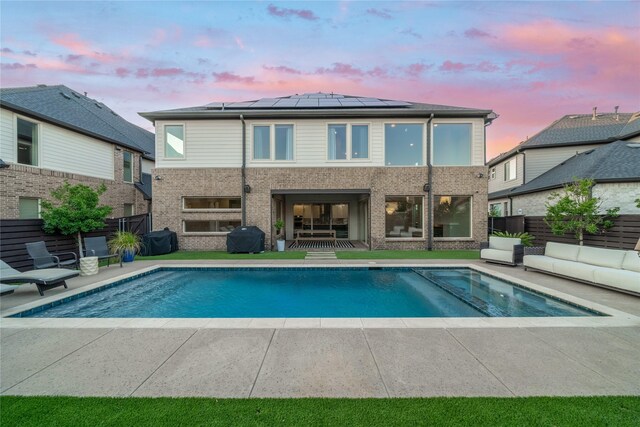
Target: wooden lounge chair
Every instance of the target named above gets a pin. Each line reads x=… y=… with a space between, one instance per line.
x=42 y=258
x=97 y=246
x=44 y=279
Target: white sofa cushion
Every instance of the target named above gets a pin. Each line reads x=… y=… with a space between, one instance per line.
x=573 y=269
x=622 y=279
x=562 y=251
x=496 y=255
x=602 y=257
x=503 y=243
x=539 y=262
x=631 y=261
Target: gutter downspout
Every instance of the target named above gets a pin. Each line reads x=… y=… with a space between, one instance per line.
x=430 y=194
x=244 y=176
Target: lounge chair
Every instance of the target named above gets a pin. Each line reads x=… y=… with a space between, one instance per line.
x=97 y=246
x=44 y=279
x=502 y=250
x=42 y=258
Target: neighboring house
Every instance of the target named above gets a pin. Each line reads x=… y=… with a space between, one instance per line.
x=52 y=134
x=516 y=177
x=358 y=166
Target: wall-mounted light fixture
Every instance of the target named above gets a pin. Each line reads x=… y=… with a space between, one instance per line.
x=157 y=178
x=479 y=175
x=426 y=188
x=247 y=188
x=118 y=148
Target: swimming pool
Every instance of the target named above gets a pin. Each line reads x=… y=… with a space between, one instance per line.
x=309 y=292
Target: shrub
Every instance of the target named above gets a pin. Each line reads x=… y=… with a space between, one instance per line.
x=526 y=238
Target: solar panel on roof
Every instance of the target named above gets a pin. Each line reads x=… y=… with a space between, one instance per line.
x=368 y=99
x=397 y=103
x=238 y=104
x=308 y=103
x=329 y=103
x=374 y=104
x=287 y=102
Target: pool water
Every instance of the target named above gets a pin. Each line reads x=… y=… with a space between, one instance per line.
x=304 y=292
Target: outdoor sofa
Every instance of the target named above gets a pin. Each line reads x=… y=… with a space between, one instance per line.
x=610 y=268
x=502 y=250
x=45 y=279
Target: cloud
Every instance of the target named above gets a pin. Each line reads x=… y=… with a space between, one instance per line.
x=282 y=69
x=475 y=33
x=77 y=46
x=341 y=69
x=305 y=14
x=122 y=72
x=17 y=66
x=410 y=32
x=166 y=72
x=449 y=66
x=415 y=70
x=456 y=67
x=6 y=50
x=29 y=53
x=384 y=13
x=227 y=77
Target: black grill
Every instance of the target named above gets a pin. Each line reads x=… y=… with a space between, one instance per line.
x=248 y=239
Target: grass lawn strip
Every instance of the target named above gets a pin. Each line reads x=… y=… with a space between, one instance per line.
x=452 y=254
x=532 y=411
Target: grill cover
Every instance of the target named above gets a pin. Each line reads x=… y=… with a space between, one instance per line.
x=159 y=242
x=245 y=239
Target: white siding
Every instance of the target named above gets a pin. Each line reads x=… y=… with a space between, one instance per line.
x=60 y=149
x=499 y=183
x=67 y=151
x=218 y=143
x=540 y=160
x=7 y=136
x=147 y=165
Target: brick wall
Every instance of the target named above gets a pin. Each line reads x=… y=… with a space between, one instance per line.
x=226 y=182
x=27 y=181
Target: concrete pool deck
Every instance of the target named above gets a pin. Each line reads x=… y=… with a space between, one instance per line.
x=334 y=358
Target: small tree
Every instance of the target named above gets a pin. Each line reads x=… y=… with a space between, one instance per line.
x=638 y=203
x=76 y=211
x=494 y=212
x=576 y=210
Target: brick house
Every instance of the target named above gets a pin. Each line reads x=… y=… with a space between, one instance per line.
x=581 y=146
x=52 y=134
x=381 y=174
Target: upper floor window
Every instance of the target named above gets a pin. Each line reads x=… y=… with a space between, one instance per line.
x=174 y=141
x=492 y=173
x=211 y=203
x=452 y=144
x=510 y=170
x=29 y=207
x=128 y=209
x=348 y=142
x=283 y=147
x=403 y=144
x=127 y=166
x=27 y=142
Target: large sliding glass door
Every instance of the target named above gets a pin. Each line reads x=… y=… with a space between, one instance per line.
x=322 y=216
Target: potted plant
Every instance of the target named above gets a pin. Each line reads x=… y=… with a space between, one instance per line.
x=126 y=244
x=279 y=225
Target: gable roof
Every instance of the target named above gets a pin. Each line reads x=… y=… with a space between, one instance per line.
x=579 y=129
x=67 y=108
x=318 y=104
x=618 y=161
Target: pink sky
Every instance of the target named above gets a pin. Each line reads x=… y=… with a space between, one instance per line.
x=531 y=62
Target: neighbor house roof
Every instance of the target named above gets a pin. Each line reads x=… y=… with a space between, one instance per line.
x=318 y=105
x=67 y=108
x=145 y=185
x=618 y=161
x=579 y=129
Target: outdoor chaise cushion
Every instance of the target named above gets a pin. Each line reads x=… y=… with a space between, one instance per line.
x=501 y=249
x=44 y=279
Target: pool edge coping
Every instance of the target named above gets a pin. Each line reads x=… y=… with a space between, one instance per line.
x=614 y=317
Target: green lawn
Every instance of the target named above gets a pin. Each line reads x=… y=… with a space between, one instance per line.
x=408 y=254
x=203 y=255
x=534 y=411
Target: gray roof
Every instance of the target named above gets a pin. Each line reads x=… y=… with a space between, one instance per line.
x=618 y=161
x=314 y=104
x=145 y=185
x=67 y=108
x=579 y=129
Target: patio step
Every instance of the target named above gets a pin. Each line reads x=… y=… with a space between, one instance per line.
x=321 y=255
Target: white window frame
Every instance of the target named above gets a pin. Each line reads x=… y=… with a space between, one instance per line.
x=185 y=209
x=164 y=141
x=348 y=141
x=408 y=239
x=31 y=198
x=470 y=218
x=452 y=122
x=424 y=142
x=132 y=168
x=509 y=163
x=272 y=142
x=492 y=173
x=206 y=233
x=39 y=136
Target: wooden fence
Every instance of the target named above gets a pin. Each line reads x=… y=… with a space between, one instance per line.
x=623 y=235
x=14 y=233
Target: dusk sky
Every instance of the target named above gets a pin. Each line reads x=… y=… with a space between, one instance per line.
x=531 y=62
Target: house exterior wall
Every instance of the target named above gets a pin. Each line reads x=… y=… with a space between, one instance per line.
x=381 y=181
x=64 y=156
x=499 y=183
x=147 y=165
x=540 y=160
x=621 y=194
x=217 y=143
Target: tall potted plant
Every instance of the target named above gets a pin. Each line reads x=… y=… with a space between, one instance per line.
x=279 y=225
x=126 y=244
